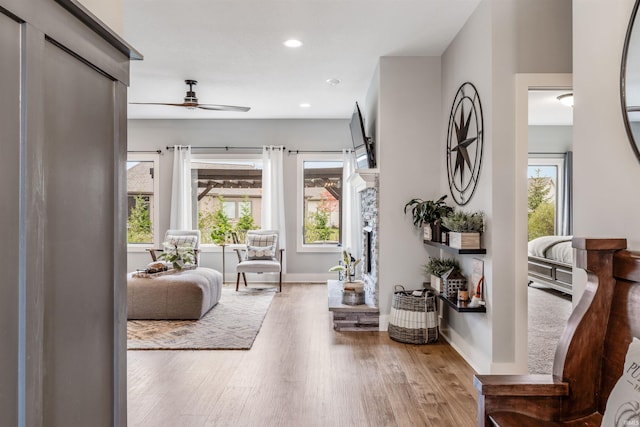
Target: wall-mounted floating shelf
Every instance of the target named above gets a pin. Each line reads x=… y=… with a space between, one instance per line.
x=455 y=250
x=462 y=306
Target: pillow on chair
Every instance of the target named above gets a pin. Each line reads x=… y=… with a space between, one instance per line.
x=183 y=240
x=261 y=252
x=261 y=246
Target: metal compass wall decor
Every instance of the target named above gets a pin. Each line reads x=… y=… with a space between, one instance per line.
x=465 y=139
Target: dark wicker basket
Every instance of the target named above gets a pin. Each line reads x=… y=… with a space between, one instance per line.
x=414 y=318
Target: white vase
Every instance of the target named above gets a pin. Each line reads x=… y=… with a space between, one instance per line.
x=426 y=232
x=436 y=283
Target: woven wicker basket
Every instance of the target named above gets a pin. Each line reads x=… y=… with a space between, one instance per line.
x=414 y=318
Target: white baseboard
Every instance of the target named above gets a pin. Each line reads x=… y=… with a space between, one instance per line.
x=479 y=363
x=384 y=322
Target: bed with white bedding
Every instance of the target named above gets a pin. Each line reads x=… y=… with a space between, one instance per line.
x=550 y=262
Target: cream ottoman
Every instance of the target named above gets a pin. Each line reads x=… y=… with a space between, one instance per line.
x=187 y=294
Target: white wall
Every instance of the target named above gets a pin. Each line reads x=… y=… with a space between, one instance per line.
x=606 y=171
x=501 y=38
x=469 y=58
x=293 y=134
x=550 y=139
x=408 y=129
x=111 y=12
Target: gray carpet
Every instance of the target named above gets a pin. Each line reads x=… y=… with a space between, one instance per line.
x=548 y=314
x=232 y=324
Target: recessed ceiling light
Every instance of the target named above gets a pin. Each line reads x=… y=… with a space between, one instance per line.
x=292 y=43
x=333 y=81
x=305 y=105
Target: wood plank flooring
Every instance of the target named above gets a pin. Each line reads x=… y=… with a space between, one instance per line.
x=302 y=373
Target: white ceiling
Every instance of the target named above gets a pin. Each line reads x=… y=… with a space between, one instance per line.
x=234 y=49
x=546 y=110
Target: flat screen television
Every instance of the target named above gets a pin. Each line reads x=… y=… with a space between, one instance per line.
x=362 y=145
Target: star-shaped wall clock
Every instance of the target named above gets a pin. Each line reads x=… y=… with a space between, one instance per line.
x=465 y=139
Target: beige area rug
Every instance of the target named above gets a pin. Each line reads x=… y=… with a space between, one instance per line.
x=232 y=324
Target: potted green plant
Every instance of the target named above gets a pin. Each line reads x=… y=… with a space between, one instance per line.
x=348 y=265
x=179 y=256
x=427 y=214
x=436 y=267
x=464 y=229
x=352 y=291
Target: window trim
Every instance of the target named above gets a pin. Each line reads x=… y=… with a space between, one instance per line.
x=558 y=162
x=300 y=245
x=155 y=158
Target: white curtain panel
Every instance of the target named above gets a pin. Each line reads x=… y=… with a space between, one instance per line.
x=180 y=218
x=273 y=191
x=351 y=216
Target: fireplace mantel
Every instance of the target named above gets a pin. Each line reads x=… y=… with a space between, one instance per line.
x=365 y=178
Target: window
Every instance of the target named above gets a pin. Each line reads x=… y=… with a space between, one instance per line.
x=320 y=202
x=544 y=196
x=228 y=196
x=142 y=200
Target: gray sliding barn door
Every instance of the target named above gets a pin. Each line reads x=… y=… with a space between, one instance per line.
x=79 y=274
x=9 y=216
x=62 y=215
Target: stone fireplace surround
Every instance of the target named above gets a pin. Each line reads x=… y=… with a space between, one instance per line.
x=362 y=317
x=369 y=246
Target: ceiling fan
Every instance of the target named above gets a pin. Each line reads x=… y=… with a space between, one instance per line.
x=191 y=101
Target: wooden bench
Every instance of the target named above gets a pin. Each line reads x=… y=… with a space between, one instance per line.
x=590 y=355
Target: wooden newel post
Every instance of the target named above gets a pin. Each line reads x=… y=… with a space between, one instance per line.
x=587 y=326
x=590 y=355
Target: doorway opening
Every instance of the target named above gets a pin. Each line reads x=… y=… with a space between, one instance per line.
x=549 y=223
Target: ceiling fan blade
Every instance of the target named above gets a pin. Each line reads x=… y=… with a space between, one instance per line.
x=161 y=103
x=191 y=101
x=223 y=107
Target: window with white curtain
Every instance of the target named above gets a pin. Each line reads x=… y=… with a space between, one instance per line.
x=319 y=207
x=228 y=195
x=142 y=200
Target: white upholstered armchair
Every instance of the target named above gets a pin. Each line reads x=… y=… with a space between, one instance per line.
x=180 y=237
x=260 y=255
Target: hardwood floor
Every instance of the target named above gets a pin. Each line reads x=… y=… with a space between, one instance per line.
x=302 y=373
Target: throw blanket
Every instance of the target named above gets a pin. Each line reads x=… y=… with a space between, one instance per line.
x=556 y=248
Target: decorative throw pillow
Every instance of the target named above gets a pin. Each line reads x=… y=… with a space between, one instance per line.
x=261 y=252
x=186 y=240
x=261 y=239
x=261 y=246
x=623 y=405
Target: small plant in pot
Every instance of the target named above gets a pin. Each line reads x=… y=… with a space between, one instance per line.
x=464 y=229
x=436 y=267
x=428 y=214
x=348 y=265
x=178 y=256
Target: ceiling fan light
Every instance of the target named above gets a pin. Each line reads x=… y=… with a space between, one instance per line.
x=566 y=99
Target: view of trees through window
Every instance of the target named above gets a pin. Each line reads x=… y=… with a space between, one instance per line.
x=322 y=202
x=229 y=199
x=218 y=220
x=542 y=194
x=140 y=202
